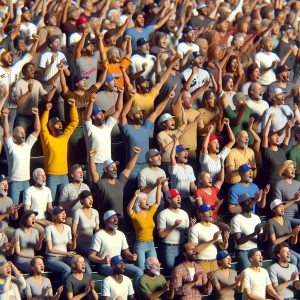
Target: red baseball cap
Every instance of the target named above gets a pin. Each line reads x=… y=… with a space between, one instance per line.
x=82 y=19
x=172 y=193
x=214 y=137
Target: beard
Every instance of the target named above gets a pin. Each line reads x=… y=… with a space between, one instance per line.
x=113 y=226
x=58 y=131
x=2 y=192
x=40 y=182
x=154 y=272
x=112 y=174
x=19 y=140
x=98 y=122
x=78 y=179
x=111 y=88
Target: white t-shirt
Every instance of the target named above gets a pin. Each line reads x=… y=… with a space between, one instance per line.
x=46 y=59
x=113 y=289
x=74 y=38
x=245 y=226
x=265 y=61
x=105 y=244
x=257 y=282
x=136 y=65
x=181 y=178
x=258 y=107
x=18 y=158
x=198 y=80
x=245 y=88
x=59 y=240
x=167 y=218
x=199 y=234
x=183 y=48
x=99 y=138
x=38 y=199
x=28 y=30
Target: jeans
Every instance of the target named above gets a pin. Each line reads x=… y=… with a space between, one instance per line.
x=62 y=264
x=242 y=258
x=295 y=258
x=294 y=221
x=170 y=252
x=53 y=181
x=131 y=271
x=143 y=251
x=15 y=189
x=11 y=119
x=23 y=264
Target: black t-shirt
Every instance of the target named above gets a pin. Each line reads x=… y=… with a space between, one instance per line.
x=76 y=286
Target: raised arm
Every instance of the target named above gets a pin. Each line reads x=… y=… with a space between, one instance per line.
x=92 y=167
x=128 y=46
x=5 y=113
x=230 y=133
x=131 y=164
x=89 y=109
x=126 y=108
x=119 y=104
x=102 y=77
x=80 y=45
x=173 y=151
x=63 y=81
x=130 y=205
x=37 y=124
x=103 y=56
x=206 y=139
x=266 y=131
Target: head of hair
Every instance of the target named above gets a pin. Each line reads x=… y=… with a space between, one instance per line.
x=280 y=246
x=17 y=39
x=26 y=66
x=252 y=252
x=74 y=168
x=136 y=14
x=251 y=68
x=225 y=79
x=35 y=172
x=231 y=58
x=52 y=38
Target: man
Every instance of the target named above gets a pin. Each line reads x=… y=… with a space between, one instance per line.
x=187 y=42
x=27 y=28
x=117 y=285
x=142 y=62
x=172 y=226
x=38 y=285
x=110 y=188
x=38 y=198
x=287 y=189
x=79 y=283
x=11 y=280
x=189 y=279
x=239 y=155
x=98 y=130
x=225 y=280
x=152 y=283
x=82 y=23
x=284 y=275
x=69 y=196
x=257 y=280
x=246 y=186
x=54 y=141
x=147 y=178
x=202 y=20
x=206 y=235
x=110 y=242
x=245 y=227
x=18 y=150
x=210 y=155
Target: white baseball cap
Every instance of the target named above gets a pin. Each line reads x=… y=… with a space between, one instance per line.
x=165 y=117
x=277 y=91
x=275 y=203
x=109 y=214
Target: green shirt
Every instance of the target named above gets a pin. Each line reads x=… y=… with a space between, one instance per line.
x=294 y=155
x=231 y=114
x=149 y=285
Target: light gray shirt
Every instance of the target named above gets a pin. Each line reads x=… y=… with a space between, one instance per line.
x=34 y=288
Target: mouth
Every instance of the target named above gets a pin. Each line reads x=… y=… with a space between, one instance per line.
x=42 y=270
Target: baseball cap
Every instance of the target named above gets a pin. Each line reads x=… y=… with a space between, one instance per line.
x=150 y=153
x=201 y=5
x=187 y=29
x=24 y=9
x=53 y=121
x=57 y=210
x=96 y=110
x=164 y=117
x=84 y=194
x=282 y=68
x=3 y=177
x=194 y=54
x=110 y=77
x=141 y=42
x=214 y=137
x=204 y=208
x=245 y=167
x=109 y=214
x=286 y=27
x=79 y=77
x=180 y=148
x=276 y=92
x=222 y=254
x=116 y=260
x=275 y=203
x=29 y=212
x=108 y=162
x=243 y=197
x=88 y=42
x=3 y=261
x=82 y=19
x=172 y=193
x=140 y=80
x=133 y=111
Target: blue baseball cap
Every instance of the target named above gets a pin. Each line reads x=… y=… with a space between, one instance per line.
x=116 y=260
x=3 y=177
x=110 y=77
x=96 y=110
x=79 y=77
x=205 y=207
x=245 y=167
x=187 y=29
x=222 y=254
x=57 y=210
x=244 y=197
x=180 y=148
x=141 y=41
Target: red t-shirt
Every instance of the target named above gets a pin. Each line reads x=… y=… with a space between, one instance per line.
x=210 y=199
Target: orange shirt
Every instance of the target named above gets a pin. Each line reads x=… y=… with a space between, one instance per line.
x=116 y=71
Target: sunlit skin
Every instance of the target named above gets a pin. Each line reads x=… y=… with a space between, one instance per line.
x=175 y=202
x=214 y=146
x=30 y=222
x=279 y=210
x=247 y=176
x=80 y=265
x=155 y=160
x=290 y=171
x=205 y=180
x=87 y=202
x=225 y=263
x=182 y=157
x=39 y=266
x=257 y=259
x=60 y=218
x=144 y=203
x=19 y=135
x=242 y=139
x=255 y=75
x=4 y=186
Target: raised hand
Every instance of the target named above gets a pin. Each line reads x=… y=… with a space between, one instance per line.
x=35 y=111
x=72 y=102
x=92 y=153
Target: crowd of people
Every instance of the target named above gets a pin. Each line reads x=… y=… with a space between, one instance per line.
x=146 y=141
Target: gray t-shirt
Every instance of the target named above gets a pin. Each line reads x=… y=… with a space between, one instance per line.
x=3 y=240
x=34 y=288
x=27 y=242
x=76 y=286
x=279 y=274
x=286 y=192
x=5 y=202
x=224 y=280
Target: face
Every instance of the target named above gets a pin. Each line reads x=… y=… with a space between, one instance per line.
x=19 y=135
x=115 y=17
x=290 y=171
x=112 y=170
x=26 y=16
x=111 y=85
x=88 y=5
x=144 y=87
x=82 y=84
x=30 y=71
x=210 y=101
x=243 y=140
x=247 y=176
x=284 y=76
x=214 y=146
x=190 y=252
x=255 y=75
x=88 y=202
x=175 y=202
x=206 y=180
x=171 y=26
x=115 y=56
x=130 y=8
x=144 y=204
x=52 y=21
x=80 y=265
x=246 y=206
x=284 y=254
x=56 y=46
x=198 y=62
x=138 y=118
x=182 y=157
x=279 y=99
x=162 y=43
x=119 y=268
x=154 y=268
x=279 y=210
x=203 y=46
x=140 y=21
x=187 y=99
x=206 y=216
x=275 y=29
x=226 y=262
x=39 y=266
x=90 y=49
x=77 y=175
x=257 y=259
x=257 y=92
x=3 y=187
x=41 y=176
x=223 y=26
x=61 y=217
x=74 y=15
x=7 y=59
x=274 y=139
x=155 y=160
x=5 y=271
x=30 y=221
x=203 y=11
x=229 y=85
x=58 y=126
x=190 y=36
x=99 y=118
x=234 y=65
x=113 y=222
x=144 y=49
x=268 y=45
x=21 y=45
x=169 y=124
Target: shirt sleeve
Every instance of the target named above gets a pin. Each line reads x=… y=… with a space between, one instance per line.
x=161 y=221
x=31 y=140
x=124 y=242
x=49 y=200
x=64 y=195
x=96 y=243
x=144 y=287
x=235 y=225
x=27 y=197
x=232 y=197
x=130 y=289
x=48 y=233
x=273 y=274
x=76 y=216
x=68 y=287
x=8 y=144
x=193 y=236
x=106 y=288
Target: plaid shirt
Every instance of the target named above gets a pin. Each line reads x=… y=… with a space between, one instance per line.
x=181 y=276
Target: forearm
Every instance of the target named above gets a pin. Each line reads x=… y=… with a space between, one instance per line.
x=205 y=245
x=246 y=238
x=165 y=232
x=157 y=294
x=281 y=239
x=132 y=162
x=21 y=254
x=57 y=251
x=93 y=171
x=47 y=69
x=6 y=127
x=23 y=99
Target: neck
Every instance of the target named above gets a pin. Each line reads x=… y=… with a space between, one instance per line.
x=109 y=230
x=205 y=223
x=118 y=277
x=152 y=167
x=255 y=268
x=246 y=214
x=278 y=217
x=190 y=264
x=283 y=263
x=174 y=209
x=289 y=180
x=110 y=180
x=77 y=184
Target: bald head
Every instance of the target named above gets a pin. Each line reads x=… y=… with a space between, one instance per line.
x=242 y=139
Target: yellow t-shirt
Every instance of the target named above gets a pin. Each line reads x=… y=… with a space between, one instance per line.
x=236 y=158
x=209 y=117
x=146 y=101
x=143 y=226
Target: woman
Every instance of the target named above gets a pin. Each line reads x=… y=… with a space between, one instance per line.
x=141 y=216
x=59 y=239
x=85 y=222
x=234 y=69
x=253 y=75
x=27 y=240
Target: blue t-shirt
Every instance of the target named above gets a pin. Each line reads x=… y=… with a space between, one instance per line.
x=238 y=189
x=137 y=137
x=135 y=35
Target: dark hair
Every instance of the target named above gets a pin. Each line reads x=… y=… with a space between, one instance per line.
x=225 y=80
x=136 y=14
x=251 y=68
x=280 y=246
x=108 y=34
x=17 y=39
x=228 y=64
x=252 y=252
x=74 y=168
x=207 y=94
x=52 y=38
x=24 y=219
x=26 y=66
